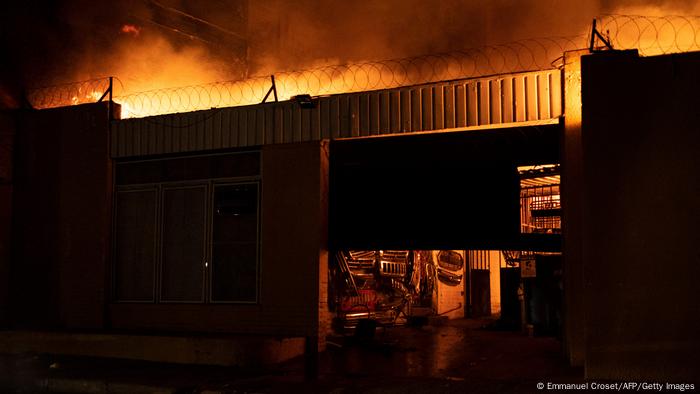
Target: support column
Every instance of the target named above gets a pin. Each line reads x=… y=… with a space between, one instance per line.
x=572 y=214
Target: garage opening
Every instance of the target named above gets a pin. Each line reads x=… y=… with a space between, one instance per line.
x=447 y=227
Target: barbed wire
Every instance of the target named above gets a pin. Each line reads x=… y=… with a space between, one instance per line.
x=651 y=35
x=526 y=55
x=73 y=93
x=519 y=56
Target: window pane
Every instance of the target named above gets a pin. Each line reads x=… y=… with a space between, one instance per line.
x=135 y=245
x=235 y=243
x=183 y=244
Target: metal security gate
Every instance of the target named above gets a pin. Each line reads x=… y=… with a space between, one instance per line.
x=480 y=287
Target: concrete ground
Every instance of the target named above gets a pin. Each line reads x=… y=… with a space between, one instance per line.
x=459 y=356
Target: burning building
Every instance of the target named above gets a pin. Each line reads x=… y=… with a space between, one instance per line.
x=556 y=197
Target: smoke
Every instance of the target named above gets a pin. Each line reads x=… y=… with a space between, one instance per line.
x=150 y=44
x=145 y=44
x=364 y=30
x=650 y=7
x=323 y=32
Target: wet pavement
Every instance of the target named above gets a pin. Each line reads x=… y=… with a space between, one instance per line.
x=459 y=356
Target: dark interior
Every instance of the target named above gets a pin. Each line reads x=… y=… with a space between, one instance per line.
x=436 y=191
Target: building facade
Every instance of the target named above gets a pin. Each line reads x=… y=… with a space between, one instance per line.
x=227 y=222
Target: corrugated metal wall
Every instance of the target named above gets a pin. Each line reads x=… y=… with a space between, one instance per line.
x=446 y=105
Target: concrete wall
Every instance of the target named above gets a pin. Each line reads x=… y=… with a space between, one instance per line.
x=61 y=217
x=208 y=350
x=7 y=132
x=295 y=235
x=572 y=213
x=641 y=138
x=294 y=261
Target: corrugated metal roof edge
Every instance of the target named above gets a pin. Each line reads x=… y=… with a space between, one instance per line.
x=394 y=89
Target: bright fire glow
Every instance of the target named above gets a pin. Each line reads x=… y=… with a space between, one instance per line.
x=652 y=34
x=89 y=96
x=148 y=66
x=131 y=29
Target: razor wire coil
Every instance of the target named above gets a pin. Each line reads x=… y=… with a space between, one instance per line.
x=650 y=35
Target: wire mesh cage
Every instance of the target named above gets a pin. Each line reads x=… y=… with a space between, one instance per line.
x=545 y=213
x=540 y=201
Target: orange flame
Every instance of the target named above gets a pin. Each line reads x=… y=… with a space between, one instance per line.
x=131 y=29
x=86 y=97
